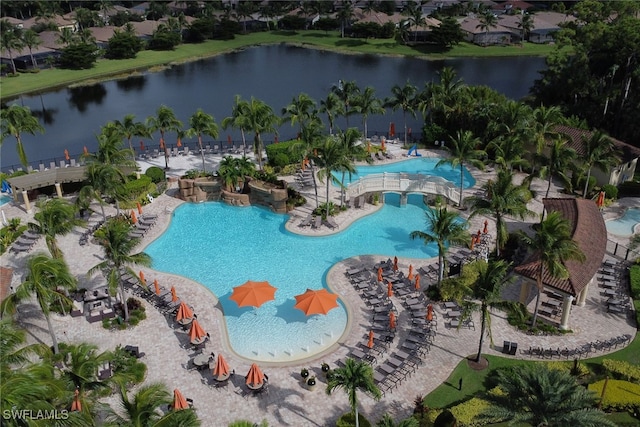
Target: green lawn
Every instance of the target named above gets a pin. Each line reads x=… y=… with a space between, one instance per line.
x=46 y=79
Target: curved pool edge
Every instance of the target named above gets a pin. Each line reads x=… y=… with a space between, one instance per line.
x=635 y=229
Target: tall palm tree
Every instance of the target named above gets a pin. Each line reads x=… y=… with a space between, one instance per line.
x=117 y=246
x=347 y=93
x=404 y=98
x=143 y=409
x=31 y=40
x=502 y=198
x=202 y=124
x=463 y=151
x=82 y=363
x=553 y=245
x=235 y=120
x=165 y=120
x=445 y=228
x=44 y=277
x=332 y=107
x=103 y=179
x=525 y=23
x=487 y=21
x=539 y=396
x=353 y=377
x=56 y=217
x=13 y=349
x=259 y=118
x=11 y=41
x=366 y=103
x=129 y=128
x=66 y=36
x=599 y=152
x=329 y=156
x=301 y=110
x=16 y=121
x=311 y=137
x=111 y=148
x=559 y=160
x=353 y=150
x=344 y=15
x=544 y=123
x=413 y=12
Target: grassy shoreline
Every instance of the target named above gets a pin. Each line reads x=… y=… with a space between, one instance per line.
x=29 y=83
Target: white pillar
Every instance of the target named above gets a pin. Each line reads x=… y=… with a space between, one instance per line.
x=582 y=296
x=566 y=310
x=58 y=189
x=25 y=199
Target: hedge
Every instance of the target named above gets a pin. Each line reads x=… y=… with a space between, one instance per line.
x=277 y=153
x=567 y=367
x=619 y=396
x=349 y=420
x=155 y=173
x=467 y=413
x=622 y=369
x=634 y=275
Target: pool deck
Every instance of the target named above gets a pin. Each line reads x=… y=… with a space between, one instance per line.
x=288 y=402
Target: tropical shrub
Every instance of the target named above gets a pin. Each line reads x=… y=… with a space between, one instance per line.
x=610 y=191
x=582 y=370
x=634 y=274
x=294 y=198
x=156 y=174
x=322 y=210
x=467 y=413
x=349 y=420
x=280 y=154
x=619 y=395
x=10 y=233
x=136 y=189
x=622 y=369
x=196 y=173
x=127 y=366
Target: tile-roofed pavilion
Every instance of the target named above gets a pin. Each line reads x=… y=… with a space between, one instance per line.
x=589 y=232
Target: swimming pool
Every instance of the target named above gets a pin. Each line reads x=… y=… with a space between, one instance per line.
x=626 y=224
x=223 y=246
x=5 y=199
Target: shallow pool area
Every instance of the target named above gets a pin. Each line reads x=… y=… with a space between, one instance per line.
x=626 y=225
x=4 y=199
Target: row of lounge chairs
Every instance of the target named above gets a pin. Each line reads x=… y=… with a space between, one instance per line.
x=25 y=242
x=614 y=288
x=52 y=165
x=144 y=223
x=92 y=227
x=316 y=221
x=578 y=352
x=207 y=149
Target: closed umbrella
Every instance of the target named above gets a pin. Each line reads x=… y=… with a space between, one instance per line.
x=389 y=289
x=485 y=230
x=76 y=405
x=184 y=313
x=179 y=143
x=142 y=145
x=395 y=263
x=196 y=333
x=66 y=154
x=316 y=301
x=142 y=279
x=379 y=274
x=383 y=147
x=134 y=219
x=430 y=312
x=254 y=376
x=253 y=294
x=139 y=206
x=179 y=402
x=410 y=276
x=392 y=320
x=417 y=284
x=370 y=342
x=221 y=370
x=392 y=129
x=85 y=150
x=174 y=295
x=600 y=201
x=156 y=285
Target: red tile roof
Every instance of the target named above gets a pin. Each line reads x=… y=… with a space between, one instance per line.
x=627 y=151
x=5 y=281
x=588 y=231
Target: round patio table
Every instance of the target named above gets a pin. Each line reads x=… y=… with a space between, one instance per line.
x=221 y=378
x=185 y=321
x=201 y=359
x=199 y=340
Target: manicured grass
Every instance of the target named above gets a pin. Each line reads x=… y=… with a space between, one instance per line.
x=630 y=353
x=46 y=79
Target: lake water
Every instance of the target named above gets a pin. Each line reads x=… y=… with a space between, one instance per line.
x=275 y=74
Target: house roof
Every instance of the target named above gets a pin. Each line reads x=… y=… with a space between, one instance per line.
x=590 y=234
x=50 y=39
x=144 y=28
x=470 y=25
x=377 y=17
x=6 y=274
x=13 y=21
x=103 y=34
x=25 y=52
x=516 y=4
x=627 y=152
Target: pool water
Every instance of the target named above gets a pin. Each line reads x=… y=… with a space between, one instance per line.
x=5 y=199
x=625 y=225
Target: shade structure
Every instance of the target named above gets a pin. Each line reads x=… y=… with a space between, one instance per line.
x=600 y=201
x=392 y=320
x=254 y=376
x=379 y=274
x=395 y=263
x=66 y=154
x=184 y=312
x=134 y=218
x=76 y=405
x=174 y=295
x=389 y=289
x=316 y=301
x=179 y=402
x=253 y=294
x=222 y=367
x=370 y=342
x=142 y=279
x=417 y=284
x=139 y=206
x=410 y=275
x=430 y=312
x=156 y=285
x=485 y=230
x=196 y=333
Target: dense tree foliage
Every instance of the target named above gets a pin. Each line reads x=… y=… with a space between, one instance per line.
x=448 y=33
x=78 y=56
x=123 y=45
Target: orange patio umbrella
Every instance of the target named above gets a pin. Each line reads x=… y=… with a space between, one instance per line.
x=184 y=312
x=430 y=312
x=316 y=301
x=156 y=285
x=179 y=402
x=253 y=294
x=417 y=284
x=395 y=263
x=254 y=376
x=142 y=279
x=370 y=342
x=392 y=320
x=76 y=405
x=196 y=332
x=473 y=241
x=222 y=368
x=379 y=274
x=139 y=206
x=600 y=201
x=410 y=276
x=174 y=295
x=392 y=129
x=478 y=235
x=134 y=218
x=66 y=154
x=389 y=289
x=85 y=150
x=179 y=143
x=485 y=230
x=141 y=145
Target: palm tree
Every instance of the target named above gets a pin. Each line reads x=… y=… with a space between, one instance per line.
x=502 y=198
x=235 y=120
x=558 y=161
x=353 y=377
x=444 y=228
x=311 y=137
x=403 y=97
x=413 y=12
x=545 y=120
x=11 y=41
x=165 y=120
x=202 y=124
x=66 y=36
x=143 y=409
x=103 y=180
x=56 y=217
x=17 y=120
x=487 y=21
x=110 y=148
x=13 y=351
x=117 y=246
x=31 y=40
x=366 y=103
x=387 y=421
x=44 y=277
x=129 y=128
x=344 y=15
x=525 y=23
x=329 y=156
x=231 y=170
x=600 y=152
x=553 y=245
x=353 y=151
x=347 y=93
x=463 y=150
x=82 y=362
x=259 y=118
x=302 y=110
x=539 y=396
x=332 y=107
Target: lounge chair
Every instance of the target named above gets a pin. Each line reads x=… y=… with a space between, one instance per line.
x=306 y=222
x=185 y=151
x=331 y=223
x=317 y=222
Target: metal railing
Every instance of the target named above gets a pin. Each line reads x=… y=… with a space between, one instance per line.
x=404 y=183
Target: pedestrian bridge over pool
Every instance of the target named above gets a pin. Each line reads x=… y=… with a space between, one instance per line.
x=404 y=183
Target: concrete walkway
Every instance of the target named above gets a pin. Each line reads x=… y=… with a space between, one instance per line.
x=288 y=403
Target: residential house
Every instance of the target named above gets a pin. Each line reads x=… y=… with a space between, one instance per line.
x=497 y=35
x=545 y=24
x=103 y=34
x=61 y=22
